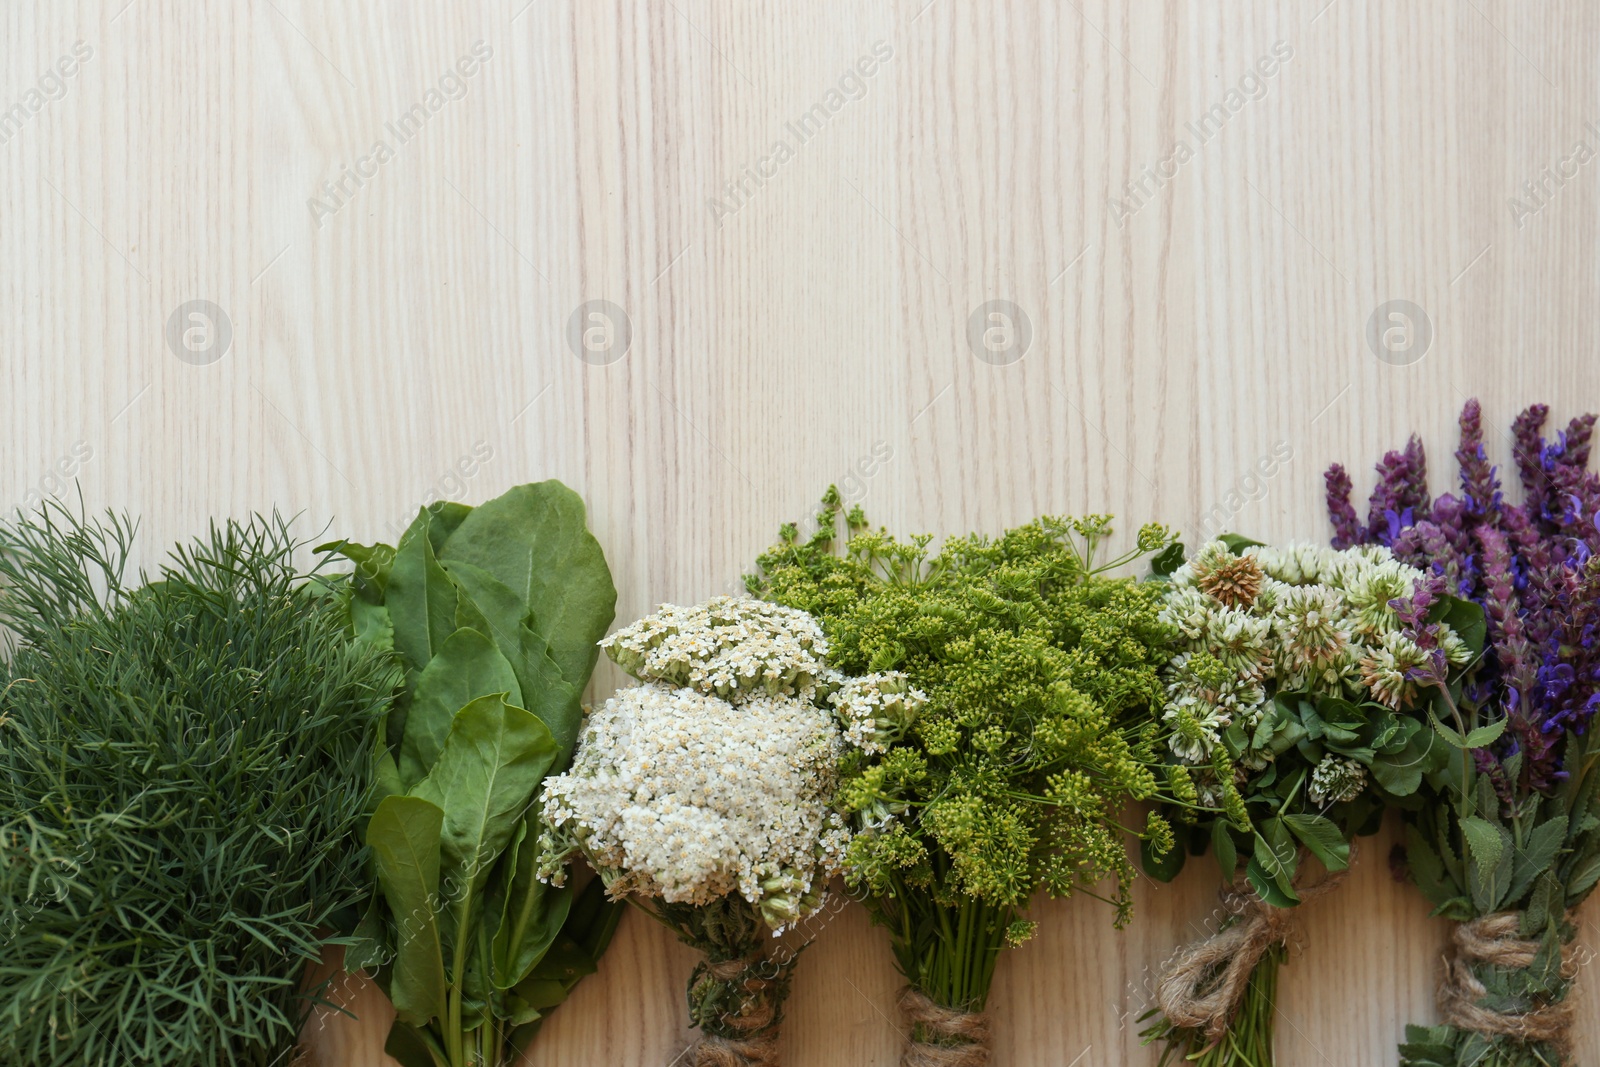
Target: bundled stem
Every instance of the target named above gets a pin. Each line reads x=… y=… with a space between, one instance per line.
x=1218 y=996
x=1248 y=1038
x=737 y=990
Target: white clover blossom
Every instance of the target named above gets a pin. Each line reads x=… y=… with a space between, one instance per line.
x=733 y=647
x=1313 y=619
x=682 y=795
x=1336 y=779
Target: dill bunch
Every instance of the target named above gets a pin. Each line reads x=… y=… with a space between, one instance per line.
x=182 y=769
x=1040 y=672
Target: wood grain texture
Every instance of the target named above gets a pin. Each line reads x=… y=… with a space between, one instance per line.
x=412 y=342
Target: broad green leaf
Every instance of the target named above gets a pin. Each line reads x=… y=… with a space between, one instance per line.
x=467 y=666
x=594 y=918
x=1465 y=618
x=1489 y=875
x=372 y=563
x=421 y=602
x=546 y=692
x=535 y=540
x=414 y=1047
x=444 y=516
x=1486 y=735
x=1322 y=837
x=484 y=779
x=1400 y=774
x=1167 y=560
x=1452 y=736
x=372 y=624
x=1224 y=849
x=533 y=911
x=1459 y=909
x=404 y=835
x=1276 y=856
x=1427 y=868
x=1547 y=894
x=1584 y=875
x=1266 y=886
x=1237 y=543
x=371 y=949
x=1537 y=853
x=1483 y=841
x=385 y=779
x=503 y=610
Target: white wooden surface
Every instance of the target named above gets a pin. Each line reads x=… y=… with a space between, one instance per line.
x=409 y=339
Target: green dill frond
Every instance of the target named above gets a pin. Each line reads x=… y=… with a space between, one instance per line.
x=183 y=765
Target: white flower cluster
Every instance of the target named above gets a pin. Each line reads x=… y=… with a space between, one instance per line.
x=717 y=775
x=1336 y=779
x=682 y=795
x=729 y=646
x=1304 y=618
x=876 y=710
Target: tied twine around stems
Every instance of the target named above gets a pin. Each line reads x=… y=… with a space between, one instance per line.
x=1497 y=940
x=1202 y=987
x=953 y=1038
x=754 y=1042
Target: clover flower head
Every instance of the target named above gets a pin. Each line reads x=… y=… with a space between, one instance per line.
x=1336 y=779
x=1386 y=670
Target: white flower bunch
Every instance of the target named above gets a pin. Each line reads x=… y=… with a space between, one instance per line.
x=682 y=795
x=1303 y=618
x=729 y=646
x=718 y=774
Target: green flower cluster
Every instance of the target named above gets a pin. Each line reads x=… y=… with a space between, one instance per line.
x=1040 y=672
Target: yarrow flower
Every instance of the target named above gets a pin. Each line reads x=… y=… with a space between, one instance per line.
x=684 y=796
x=719 y=775
x=876 y=710
x=728 y=646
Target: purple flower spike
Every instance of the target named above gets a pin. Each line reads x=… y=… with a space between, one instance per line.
x=1346 y=527
x=1533 y=567
x=1480 y=483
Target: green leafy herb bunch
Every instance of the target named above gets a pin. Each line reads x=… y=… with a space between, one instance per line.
x=183 y=764
x=1040 y=672
x=1290 y=707
x=492 y=613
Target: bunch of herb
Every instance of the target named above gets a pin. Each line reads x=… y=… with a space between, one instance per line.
x=182 y=770
x=1040 y=673
x=705 y=795
x=1290 y=708
x=1509 y=843
x=493 y=613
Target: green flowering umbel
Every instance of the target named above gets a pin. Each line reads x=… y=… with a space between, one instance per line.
x=1039 y=671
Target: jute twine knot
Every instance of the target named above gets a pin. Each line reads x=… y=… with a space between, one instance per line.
x=1497 y=940
x=1202 y=986
x=949 y=1037
x=757 y=1042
